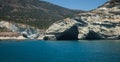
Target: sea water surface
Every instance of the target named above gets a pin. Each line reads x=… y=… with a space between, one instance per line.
x=60 y=51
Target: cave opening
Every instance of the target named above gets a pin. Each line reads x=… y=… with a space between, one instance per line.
x=93 y=36
x=70 y=34
x=24 y=35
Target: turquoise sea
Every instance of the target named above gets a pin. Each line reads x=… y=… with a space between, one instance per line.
x=60 y=51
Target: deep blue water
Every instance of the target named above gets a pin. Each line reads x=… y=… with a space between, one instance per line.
x=60 y=51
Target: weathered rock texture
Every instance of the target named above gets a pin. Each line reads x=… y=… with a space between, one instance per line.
x=101 y=23
x=19 y=30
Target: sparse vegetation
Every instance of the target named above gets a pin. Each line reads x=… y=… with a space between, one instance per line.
x=34 y=12
x=0 y=19
x=4 y=30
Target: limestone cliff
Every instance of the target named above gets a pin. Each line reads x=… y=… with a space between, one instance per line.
x=24 y=30
x=101 y=23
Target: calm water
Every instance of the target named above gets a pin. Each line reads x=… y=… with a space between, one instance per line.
x=61 y=51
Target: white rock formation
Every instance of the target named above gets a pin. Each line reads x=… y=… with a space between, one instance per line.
x=101 y=23
x=27 y=31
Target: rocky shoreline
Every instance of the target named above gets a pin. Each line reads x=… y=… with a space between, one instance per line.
x=16 y=30
x=102 y=23
x=12 y=38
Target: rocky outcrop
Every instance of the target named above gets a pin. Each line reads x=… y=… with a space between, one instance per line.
x=25 y=30
x=101 y=23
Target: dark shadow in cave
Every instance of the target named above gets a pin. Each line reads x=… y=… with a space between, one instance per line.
x=93 y=36
x=70 y=34
x=24 y=35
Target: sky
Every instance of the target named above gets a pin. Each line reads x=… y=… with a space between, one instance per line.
x=78 y=4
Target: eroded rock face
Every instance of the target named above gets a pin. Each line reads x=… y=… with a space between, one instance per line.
x=25 y=30
x=101 y=23
x=63 y=30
